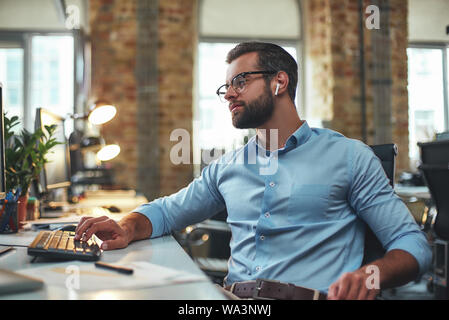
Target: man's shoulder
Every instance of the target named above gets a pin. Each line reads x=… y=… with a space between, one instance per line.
x=336 y=137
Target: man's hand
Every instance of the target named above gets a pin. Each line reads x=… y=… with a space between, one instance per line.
x=396 y=268
x=352 y=286
x=114 y=235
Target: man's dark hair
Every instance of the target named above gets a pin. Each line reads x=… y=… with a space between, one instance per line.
x=270 y=57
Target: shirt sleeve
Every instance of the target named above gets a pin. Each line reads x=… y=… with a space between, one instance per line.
x=375 y=202
x=196 y=202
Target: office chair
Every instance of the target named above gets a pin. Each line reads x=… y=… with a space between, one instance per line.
x=434 y=168
x=437 y=180
x=436 y=177
x=207 y=243
x=386 y=153
x=215 y=263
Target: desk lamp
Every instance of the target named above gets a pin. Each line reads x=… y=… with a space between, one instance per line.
x=104 y=152
x=99 y=113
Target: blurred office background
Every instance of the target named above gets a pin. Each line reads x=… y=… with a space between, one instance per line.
x=160 y=61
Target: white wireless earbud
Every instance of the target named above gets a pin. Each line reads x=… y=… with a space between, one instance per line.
x=277 y=89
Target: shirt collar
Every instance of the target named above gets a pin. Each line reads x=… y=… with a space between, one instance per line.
x=299 y=137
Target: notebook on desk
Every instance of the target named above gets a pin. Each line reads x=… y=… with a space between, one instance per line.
x=11 y=282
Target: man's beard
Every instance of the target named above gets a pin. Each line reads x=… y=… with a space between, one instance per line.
x=255 y=113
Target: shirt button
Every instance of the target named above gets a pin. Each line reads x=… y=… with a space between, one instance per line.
x=267 y=215
x=272 y=184
x=258 y=268
x=262 y=238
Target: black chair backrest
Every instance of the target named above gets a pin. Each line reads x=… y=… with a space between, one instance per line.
x=437 y=180
x=386 y=153
x=435 y=152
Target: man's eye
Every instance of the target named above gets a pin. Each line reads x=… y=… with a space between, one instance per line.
x=239 y=83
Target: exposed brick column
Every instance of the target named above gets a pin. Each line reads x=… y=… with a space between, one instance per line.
x=113 y=37
x=399 y=74
x=143 y=62
x=333 y=51
x=177 y=46
x=147 y=76
x=319 y=54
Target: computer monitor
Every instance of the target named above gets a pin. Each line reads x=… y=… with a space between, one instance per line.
x=56 y=172
x=2 y=148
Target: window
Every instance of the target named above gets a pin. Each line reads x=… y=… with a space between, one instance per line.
x=52 y=74
x=428 y=92
x=11 y=76
x=212 y=127
x=37 y=71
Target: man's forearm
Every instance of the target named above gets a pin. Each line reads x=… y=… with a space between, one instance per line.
x=396 y=268
x=137 y=226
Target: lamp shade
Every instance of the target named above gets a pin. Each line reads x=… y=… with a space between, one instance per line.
x=101 y=112
x=108 y=152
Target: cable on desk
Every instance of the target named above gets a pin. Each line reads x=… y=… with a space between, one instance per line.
x=13 y=245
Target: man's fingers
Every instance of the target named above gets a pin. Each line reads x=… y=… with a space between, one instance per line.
x=332 y=292
x=343 y=287
x=83 y=219
x=102 y=225
x=355 y=287
x=85 y=224
x=351 y=286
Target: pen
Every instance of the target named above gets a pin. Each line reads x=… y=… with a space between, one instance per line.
x=113 y=267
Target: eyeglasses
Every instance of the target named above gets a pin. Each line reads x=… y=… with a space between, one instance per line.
x=238 y=83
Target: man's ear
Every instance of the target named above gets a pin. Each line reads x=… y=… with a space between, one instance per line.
x=281 y=83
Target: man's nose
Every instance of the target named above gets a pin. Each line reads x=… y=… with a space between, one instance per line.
x=230 y=93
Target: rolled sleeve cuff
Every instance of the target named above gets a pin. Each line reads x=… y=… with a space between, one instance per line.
x=156 y=216
x=420 y=250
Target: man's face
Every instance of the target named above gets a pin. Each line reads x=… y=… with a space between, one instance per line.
x=254 y=105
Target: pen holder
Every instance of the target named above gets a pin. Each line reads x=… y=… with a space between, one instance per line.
x=8 y=217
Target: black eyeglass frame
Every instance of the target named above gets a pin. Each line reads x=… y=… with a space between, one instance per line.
x=242 y=74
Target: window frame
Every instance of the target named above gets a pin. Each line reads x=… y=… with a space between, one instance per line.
x=444 y=47
x=23 y=37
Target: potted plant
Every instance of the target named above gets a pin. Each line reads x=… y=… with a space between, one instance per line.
x=25 y=157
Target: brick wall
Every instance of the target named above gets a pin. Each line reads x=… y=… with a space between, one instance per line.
x=177 y=46
x=332 y=49
x=113 y=36
x=150 y=82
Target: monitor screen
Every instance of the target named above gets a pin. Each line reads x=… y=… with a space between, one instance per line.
x=2 y=149
x=56 y=173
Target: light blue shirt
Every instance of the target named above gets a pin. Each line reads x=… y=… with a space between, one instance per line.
x=296 y=214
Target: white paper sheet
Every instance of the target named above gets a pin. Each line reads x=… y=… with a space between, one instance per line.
x=22 y=238
x=84 y=276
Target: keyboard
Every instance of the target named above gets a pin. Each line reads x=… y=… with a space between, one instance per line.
x=62 y=245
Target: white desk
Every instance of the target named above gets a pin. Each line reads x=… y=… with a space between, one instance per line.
x=412 y=191
x=164 y=251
